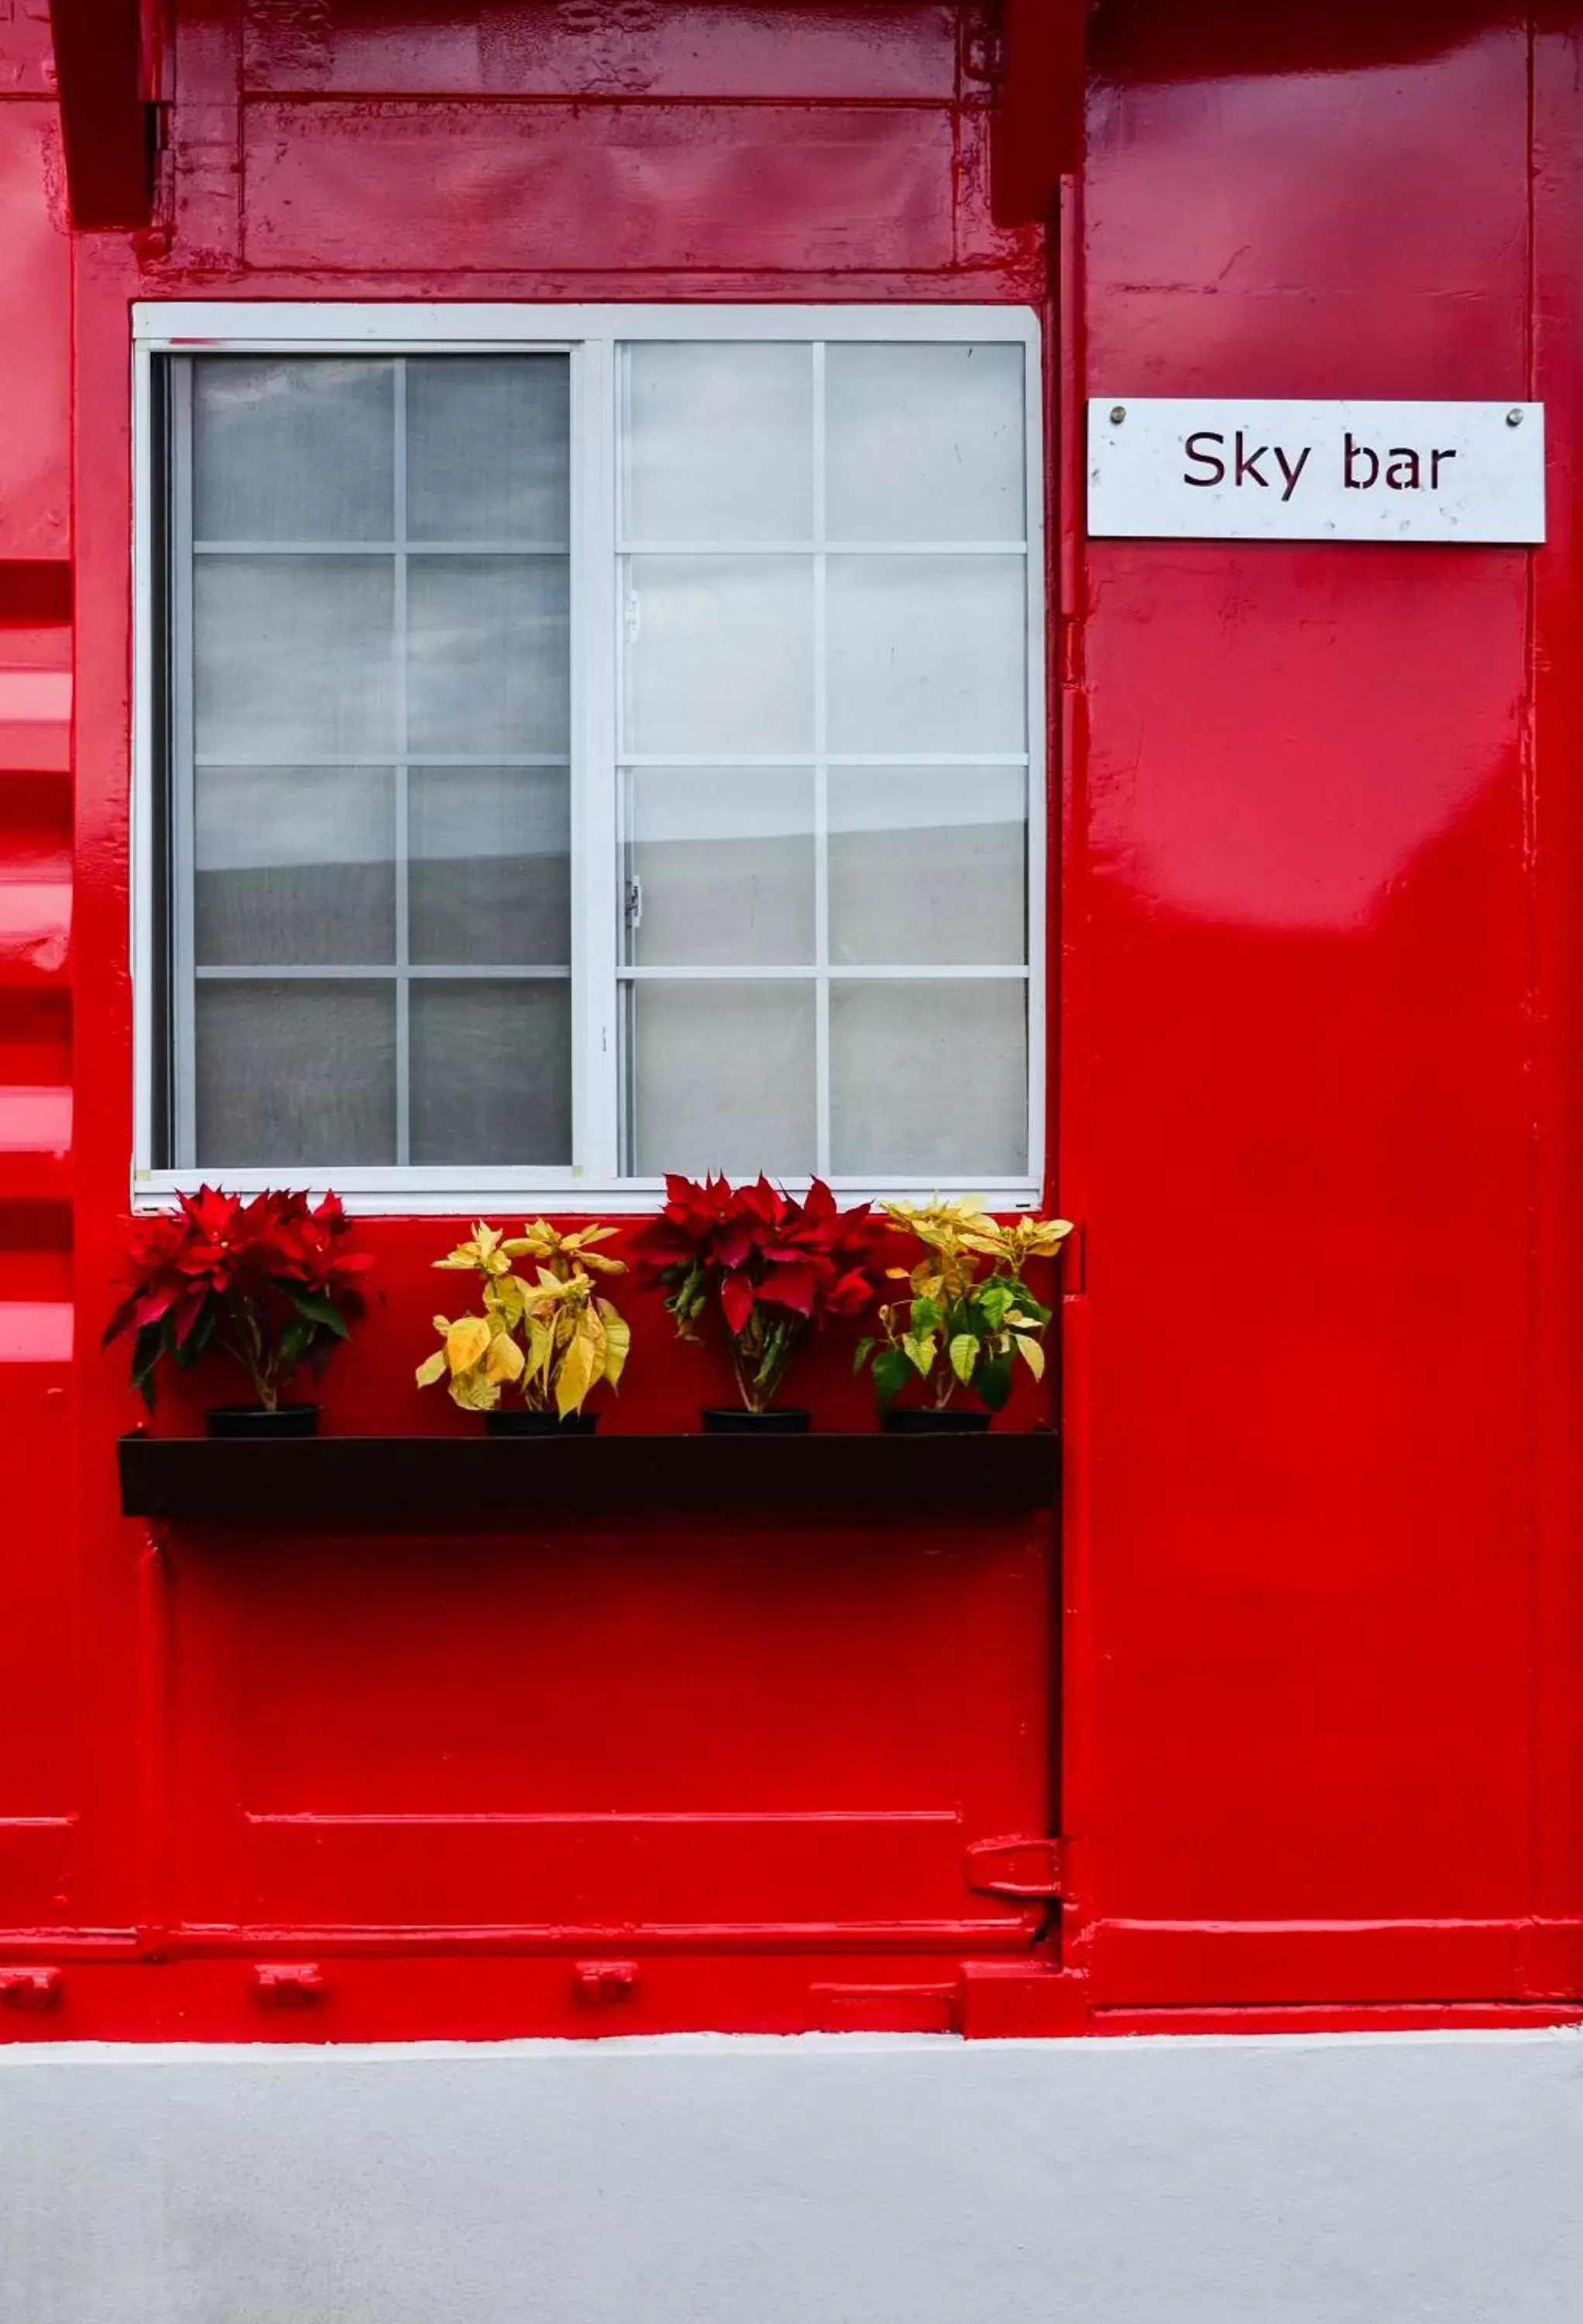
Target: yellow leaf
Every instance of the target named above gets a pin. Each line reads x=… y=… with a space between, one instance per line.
x=506 y=1360
x=618 y=1343
x=474 y=1393
x=505 y=1297
x=541 y=1349
x=433 y=1369
x=964 y=1354
x=920 y=1348
x=466 y=1343
x=576 y=1376
x=1031 y=1354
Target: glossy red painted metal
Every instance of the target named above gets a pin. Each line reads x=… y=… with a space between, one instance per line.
x=1302 y=1095
x=1317 y=1743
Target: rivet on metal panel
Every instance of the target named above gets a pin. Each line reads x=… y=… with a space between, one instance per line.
x=29 y=1989
x=601 y=1981
x=288 y=1985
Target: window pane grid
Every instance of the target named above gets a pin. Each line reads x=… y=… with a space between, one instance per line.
x=756 y=759
x=810 y=546
x=920 y=1024
x=204 y=759
x=382 y=547
x=821 y=784
x=421 y=639
x=403 y=801
x=415 y=973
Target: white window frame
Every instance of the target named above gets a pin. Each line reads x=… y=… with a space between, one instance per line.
x=591 y=336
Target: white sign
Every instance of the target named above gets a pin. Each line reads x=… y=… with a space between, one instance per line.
x=1178 y=469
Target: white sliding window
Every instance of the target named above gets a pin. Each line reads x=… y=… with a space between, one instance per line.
x=577 y=745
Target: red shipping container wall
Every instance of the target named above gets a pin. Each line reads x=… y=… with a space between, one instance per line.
x=1313 y=1601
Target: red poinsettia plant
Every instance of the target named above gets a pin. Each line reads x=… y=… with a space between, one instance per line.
x=774 y=1265
x=263 y=1282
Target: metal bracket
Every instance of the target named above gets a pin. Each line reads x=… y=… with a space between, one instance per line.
x=601 y=1982
x=29 y=1989
x=1019 y=1867
x=288 y=1985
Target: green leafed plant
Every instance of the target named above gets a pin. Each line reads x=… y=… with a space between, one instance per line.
x=970 y=1315
x=554 y=1338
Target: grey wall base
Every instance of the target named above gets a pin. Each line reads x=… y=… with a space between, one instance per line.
x=1433 y=2178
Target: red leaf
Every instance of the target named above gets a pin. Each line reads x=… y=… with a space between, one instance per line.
x=736 y=1301
x=795 y=1287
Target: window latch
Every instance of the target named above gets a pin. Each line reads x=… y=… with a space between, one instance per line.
x=632 y=903
x=633 y=618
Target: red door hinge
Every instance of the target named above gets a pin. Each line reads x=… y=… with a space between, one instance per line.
x=1018 y=1866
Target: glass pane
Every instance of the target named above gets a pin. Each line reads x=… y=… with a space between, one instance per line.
x=723 y=1077
x=724 y=862
x=895 y=1048
x=724 y=659
x=292 y=450
x=487 y=654
x=492 y=1071
x=927 y=653
x=720 y=442
x=488 y=448
x=294 y=864
x=300 y=1074
x=291 y=656
x=490 y=874
x=928 y=864
x=925 y=443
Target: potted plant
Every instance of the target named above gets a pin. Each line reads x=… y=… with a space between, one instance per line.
x=263 y=1283
x=552 y=1339
x=969 y=1318
x=775 y=1266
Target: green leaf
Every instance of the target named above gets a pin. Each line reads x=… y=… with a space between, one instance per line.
x=994 y=1299
x=320 y=1309
x=865 y=1348
x=964 y=1354
x=146 y=1351
x=926 y=1315
x=994 y=1380
x=296 y=1339
x=892 y=1370
x=920 y=1351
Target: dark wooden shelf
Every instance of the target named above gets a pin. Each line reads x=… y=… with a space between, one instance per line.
x=419 y=1483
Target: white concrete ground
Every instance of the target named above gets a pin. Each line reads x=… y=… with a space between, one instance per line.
x=1415 y=2179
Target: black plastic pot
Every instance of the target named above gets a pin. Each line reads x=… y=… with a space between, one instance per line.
x=254 y=1420
x=924 y=1420
x=735 y=1420
x=525 y=1422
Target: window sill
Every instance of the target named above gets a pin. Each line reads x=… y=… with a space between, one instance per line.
x=447 y=1194
x=419 y=1483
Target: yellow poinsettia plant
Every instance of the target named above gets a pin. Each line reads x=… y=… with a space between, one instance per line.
x=969 y=1314
x=552 y=1335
